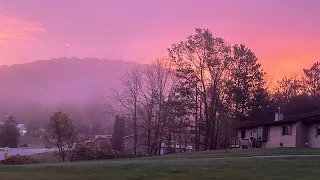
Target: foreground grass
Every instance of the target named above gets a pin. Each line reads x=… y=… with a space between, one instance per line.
x=169 y=169
x=244 y=153
x=49 y=157
x=191 y=166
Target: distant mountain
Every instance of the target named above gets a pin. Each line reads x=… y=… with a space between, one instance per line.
x=48 y=84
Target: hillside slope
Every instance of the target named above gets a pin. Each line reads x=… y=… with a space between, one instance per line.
x=32 y=91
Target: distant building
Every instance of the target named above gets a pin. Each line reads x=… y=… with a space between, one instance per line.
x=22 y=129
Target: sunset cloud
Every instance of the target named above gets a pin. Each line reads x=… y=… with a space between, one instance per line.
x=19 y=28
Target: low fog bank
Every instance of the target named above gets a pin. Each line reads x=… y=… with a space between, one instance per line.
x=80 y=87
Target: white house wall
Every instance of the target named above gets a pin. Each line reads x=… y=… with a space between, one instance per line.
x=276 y=137
x=313 y=140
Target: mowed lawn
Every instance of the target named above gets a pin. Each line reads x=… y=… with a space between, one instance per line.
x=192 y=166
x=244 y=153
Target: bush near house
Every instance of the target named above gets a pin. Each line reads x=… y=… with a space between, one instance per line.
x=90 y=153
x=19 y=160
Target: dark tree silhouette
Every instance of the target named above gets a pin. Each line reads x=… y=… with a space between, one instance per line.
x=118 y=133
x=9 y=135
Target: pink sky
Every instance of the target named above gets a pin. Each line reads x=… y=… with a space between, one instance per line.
x=284 y=34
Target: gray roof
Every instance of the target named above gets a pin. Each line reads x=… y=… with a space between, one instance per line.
x=305 y=118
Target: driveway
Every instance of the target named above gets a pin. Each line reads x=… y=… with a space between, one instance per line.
x=22 y=151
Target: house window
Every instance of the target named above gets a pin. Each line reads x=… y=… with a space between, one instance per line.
x=243 y=134
x=260 y=133
x=265 y=133
x=317 y=132
x=252 y=133
x=286 y=130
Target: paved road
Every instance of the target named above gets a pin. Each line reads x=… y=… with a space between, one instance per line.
x=21 y=151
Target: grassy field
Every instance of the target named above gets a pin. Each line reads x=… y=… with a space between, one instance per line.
x=192 y=166
x=244 y=153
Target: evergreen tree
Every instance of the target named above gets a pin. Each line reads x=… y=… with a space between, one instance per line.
x=312 y=80
x=9 y=135
x=118 y=133
x=247 y=86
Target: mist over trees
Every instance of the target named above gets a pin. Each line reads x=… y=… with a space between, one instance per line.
x=204 y=89
x=33 y=91
x=196 y=95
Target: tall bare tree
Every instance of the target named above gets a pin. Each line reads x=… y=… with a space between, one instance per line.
x=62 y=134
x=128 y=98
x=203 y=60
x=156 y=90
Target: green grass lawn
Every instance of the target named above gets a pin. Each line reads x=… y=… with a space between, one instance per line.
x=192 y=166
x=244 y=153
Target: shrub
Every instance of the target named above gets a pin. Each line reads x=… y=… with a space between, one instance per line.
x=82 y=153
x=102 y=154
x=19 y=160
x=88 y=153
x=91 y=153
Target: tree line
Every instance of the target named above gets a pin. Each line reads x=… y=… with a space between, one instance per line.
x=201 y=91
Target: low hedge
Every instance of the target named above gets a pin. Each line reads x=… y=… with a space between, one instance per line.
x=19 y=160
x=88 y=153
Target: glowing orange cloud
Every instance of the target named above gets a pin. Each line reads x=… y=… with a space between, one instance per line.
x=18 y=28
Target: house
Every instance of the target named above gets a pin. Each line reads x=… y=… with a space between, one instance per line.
x=299 y=131
x=22 y=129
